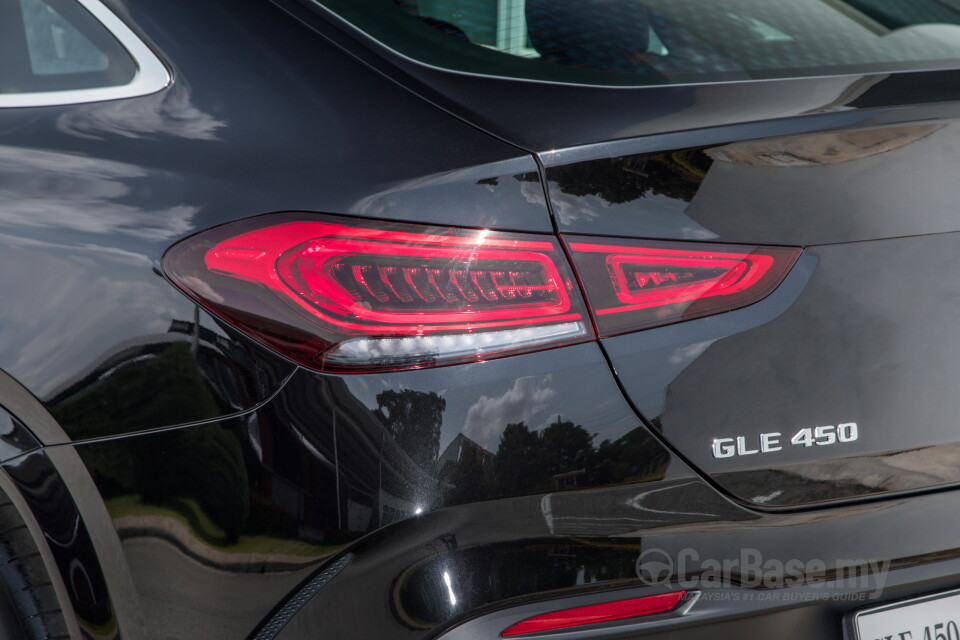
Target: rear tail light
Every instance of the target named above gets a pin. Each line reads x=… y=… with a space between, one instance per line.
x=638 y=284
x=337 y=294
x=594 y=613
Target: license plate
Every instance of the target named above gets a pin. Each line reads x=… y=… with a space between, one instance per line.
x=935 y=617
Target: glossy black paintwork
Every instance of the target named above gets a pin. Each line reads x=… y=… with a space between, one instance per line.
x=69 y=541
x=202 y=530
x=192 y=507
x=92 y=195
x=263 y=498
x=538 y=567
x=825 y=180
x=15 y=438
x=501 y=552
x=729 y=611
x=95 y=331
x=869 y=338
x=317 y=483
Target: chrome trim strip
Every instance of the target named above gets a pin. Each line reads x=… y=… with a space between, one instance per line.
x=687 y=603
x=151 y=76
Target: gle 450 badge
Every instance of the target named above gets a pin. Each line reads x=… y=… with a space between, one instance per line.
x=824 y=436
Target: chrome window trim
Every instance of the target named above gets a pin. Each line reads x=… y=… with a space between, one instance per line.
x=151 y=75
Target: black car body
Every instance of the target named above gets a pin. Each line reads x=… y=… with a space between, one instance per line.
x=171 y=472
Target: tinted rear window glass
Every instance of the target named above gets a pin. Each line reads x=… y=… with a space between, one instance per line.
x=650 y=42
x=56 y=45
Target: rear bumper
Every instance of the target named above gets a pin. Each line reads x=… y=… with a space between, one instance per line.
x=478 y=569
x=212 y=526
x=823 y=610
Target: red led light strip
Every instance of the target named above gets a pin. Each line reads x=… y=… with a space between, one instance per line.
x=741 y=272
x=316 y=279
x=274 y=257
x=304 y=284
x=592 y=614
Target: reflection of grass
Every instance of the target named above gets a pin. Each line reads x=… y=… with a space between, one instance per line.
x=189 y=513
x=104 y=630
x=114 y=403
x=401 y=586
x=608 y=543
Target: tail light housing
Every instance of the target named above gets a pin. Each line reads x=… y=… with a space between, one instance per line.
x=338 y=294
x=341 y=294
x=639 y=284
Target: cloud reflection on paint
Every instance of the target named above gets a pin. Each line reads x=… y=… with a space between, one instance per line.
x=46 y=189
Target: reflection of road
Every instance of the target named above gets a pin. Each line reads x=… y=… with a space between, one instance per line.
x=182 y=598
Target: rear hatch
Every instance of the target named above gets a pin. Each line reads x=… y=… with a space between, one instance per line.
x=842 y=383
x=830 y=126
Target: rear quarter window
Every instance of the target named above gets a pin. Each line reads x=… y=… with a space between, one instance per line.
x=69 y=51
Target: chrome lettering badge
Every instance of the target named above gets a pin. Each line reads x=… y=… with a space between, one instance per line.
x=772 y=442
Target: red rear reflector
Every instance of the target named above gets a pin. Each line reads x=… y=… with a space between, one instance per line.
x=594 y=613
x=340 y=294
x=637 y=284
